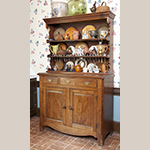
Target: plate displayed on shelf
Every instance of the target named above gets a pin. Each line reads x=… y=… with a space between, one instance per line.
x=62 y=46
x=81 y=45
x=82 y=62
x=73 y=49
x=92 y=48
x=85 y=31
x=102 y=31
x=60 y=30
x=69 y=66
x=59 y=65
x=70 y=31
x=92 y=66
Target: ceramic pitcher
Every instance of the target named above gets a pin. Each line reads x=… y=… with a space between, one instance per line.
x=54 y=48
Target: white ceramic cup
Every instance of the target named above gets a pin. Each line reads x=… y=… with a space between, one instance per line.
x=84 y=69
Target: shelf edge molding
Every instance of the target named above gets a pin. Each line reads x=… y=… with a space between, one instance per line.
x=78 y=18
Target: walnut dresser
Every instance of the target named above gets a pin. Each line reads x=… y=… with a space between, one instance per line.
x=79 y=103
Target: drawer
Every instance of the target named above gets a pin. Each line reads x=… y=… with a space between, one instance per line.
x=50 y=80
x=87 y=82
x=67 y=81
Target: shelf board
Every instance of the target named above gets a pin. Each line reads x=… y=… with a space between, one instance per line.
x=78 y=56
x=80 y=40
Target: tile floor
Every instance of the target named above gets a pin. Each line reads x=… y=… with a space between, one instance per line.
x=50 y=139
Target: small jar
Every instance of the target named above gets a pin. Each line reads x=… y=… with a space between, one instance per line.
x=77 y=7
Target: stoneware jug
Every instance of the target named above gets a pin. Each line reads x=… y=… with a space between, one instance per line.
x=54 y=49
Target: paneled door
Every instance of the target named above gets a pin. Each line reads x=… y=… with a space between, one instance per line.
x=54 y=105
x=83 y=109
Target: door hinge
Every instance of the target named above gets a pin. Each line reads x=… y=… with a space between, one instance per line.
x=96 y=126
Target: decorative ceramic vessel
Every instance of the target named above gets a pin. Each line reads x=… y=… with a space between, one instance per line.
x=93 y=33
x=77 y=7
x=59 y=9
x=77 y=68
x=54 y=48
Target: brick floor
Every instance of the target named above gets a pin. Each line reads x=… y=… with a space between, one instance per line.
x=50 y=139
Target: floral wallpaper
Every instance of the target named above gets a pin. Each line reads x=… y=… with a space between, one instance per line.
x=39 y=49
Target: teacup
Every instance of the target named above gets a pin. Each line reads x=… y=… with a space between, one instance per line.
x=85 y=69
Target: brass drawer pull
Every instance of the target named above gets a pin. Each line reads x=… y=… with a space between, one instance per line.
x=86 y=83
x=49 y=80
x=67 y=81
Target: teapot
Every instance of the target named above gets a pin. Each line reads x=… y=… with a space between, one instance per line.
x=54 y=48
x=77 y=68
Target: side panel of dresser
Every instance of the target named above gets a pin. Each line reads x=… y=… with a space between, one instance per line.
x=33 y=97
x=107 y=108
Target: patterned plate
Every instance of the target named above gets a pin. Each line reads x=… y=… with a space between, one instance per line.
x=60 y=30
x=81 y=45
x=70 y=31
x=73 y=49
x=82 y=62
x=69 y=63
x=59 y=64
x=85 y=31
x=62 y=46
x=102 y=31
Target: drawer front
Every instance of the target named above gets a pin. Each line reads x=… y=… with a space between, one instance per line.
x=50 y=80
x=67 y=81
x=87 y=82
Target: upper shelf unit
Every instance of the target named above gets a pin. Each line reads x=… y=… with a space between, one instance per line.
x=78 y=18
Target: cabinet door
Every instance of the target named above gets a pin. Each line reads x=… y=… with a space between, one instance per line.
x=54 y=105
x=83 y=109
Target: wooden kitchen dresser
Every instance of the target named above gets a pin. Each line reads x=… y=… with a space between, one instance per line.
x=79 y=103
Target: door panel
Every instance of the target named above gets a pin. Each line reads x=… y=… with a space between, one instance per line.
x=54 y=100
x=83 y=109
x=53 y=106
x=83 y=105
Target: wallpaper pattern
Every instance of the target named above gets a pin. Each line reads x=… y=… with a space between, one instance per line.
x=39 y=49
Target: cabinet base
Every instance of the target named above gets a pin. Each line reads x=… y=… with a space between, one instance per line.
x=73 y=131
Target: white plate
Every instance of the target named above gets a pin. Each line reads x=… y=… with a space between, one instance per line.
x=91 y=65
x=73 y=49
x=69 y=63
x=82 y=62
x=91 y=48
